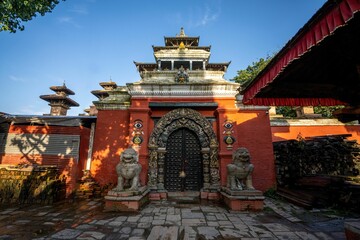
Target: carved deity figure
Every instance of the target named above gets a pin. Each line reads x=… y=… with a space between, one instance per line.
x=182 y=76
x=239 y=173
x=128 y=170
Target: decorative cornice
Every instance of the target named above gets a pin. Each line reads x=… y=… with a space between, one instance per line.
x=239 y=104
x=183 y=90
x=310 y=122
x=111 y=106
x=118 y=99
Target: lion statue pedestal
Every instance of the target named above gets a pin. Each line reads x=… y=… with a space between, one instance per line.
x=128 y=195
x=239 y=193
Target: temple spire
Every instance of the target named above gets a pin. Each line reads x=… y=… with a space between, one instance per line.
x=182 y=32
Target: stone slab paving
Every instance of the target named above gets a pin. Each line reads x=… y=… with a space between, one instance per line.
x=167 y=221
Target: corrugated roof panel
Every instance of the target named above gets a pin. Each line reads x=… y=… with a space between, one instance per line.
x=49 y=144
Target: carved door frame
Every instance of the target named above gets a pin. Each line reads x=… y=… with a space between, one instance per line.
x=193 y=120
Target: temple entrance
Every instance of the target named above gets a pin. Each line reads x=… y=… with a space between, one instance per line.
x=183 y=140
x=183 y=165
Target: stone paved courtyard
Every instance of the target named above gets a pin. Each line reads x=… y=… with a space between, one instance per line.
x=168 y=220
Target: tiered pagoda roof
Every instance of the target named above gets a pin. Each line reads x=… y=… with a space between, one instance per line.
x=181 y=38
x=103 y=93
x=181 y=41
x=61 y=95
x=181 y=50
x=60 y=102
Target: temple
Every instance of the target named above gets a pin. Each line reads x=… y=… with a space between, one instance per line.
x=184 y=119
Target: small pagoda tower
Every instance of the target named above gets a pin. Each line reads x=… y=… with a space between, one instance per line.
x=107 y=86
x=101 y=95
x=60 y=102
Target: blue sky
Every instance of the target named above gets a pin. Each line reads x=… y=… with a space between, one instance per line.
x=84 y=42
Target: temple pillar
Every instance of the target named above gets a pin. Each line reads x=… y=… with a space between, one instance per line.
x=139 y=135
x=111 y=133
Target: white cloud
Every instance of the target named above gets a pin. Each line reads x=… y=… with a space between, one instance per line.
x=65 y=19
x=79 y=9
x=16 y=79
x=68 y=20
x=210 y=15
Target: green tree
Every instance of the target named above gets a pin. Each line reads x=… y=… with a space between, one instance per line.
x=326 y=111
x=286 y=111
x=247 y=75
x=14 y=12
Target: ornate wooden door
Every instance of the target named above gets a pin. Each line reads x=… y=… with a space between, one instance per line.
x=183 y=165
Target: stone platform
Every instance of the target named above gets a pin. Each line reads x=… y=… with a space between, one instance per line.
x=86 y=219
x=126 y=201
x=244 y=200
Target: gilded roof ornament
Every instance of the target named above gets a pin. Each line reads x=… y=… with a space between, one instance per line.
x=182 y=45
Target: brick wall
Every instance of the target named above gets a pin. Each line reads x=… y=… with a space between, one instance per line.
x=252 y=131
x=111 y=138
x=69 y=166
x=281 y=133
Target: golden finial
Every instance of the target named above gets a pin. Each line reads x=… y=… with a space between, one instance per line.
x=182 y=45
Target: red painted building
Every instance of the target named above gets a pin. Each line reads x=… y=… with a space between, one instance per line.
x=59 y=141
x=181 y=116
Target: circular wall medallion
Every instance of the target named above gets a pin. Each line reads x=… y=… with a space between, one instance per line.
x=229 y=140
x=137 y=140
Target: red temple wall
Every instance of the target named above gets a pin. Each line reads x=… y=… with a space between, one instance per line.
x=68 y=166
x=281 y=133
x=110 y=139
x=251 y=130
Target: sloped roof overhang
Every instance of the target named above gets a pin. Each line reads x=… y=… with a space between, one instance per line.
x=320 y=65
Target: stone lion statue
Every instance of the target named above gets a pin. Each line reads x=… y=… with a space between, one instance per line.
x=239 y=173
x=128 y=170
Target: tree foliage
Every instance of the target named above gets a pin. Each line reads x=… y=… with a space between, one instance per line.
x=14 y=12
x=248 y=74
x=286 y=111
x=326 y=111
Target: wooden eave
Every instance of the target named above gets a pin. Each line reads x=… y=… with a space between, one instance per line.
x=320 y=65
x=62 y=89
x=54 y=97
x=108 y=84
x=145 y=66
x=218 y=66
x=158 y=48
x=100 y=93
x=193 y=41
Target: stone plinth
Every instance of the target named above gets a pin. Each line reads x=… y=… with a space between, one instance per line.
x=157 y=196
x=209 y=195
x=126 y=201
x=243 y=200
x=352 y=230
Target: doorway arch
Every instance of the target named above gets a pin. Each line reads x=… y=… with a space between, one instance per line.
x=183 y=118
x=183 y=162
